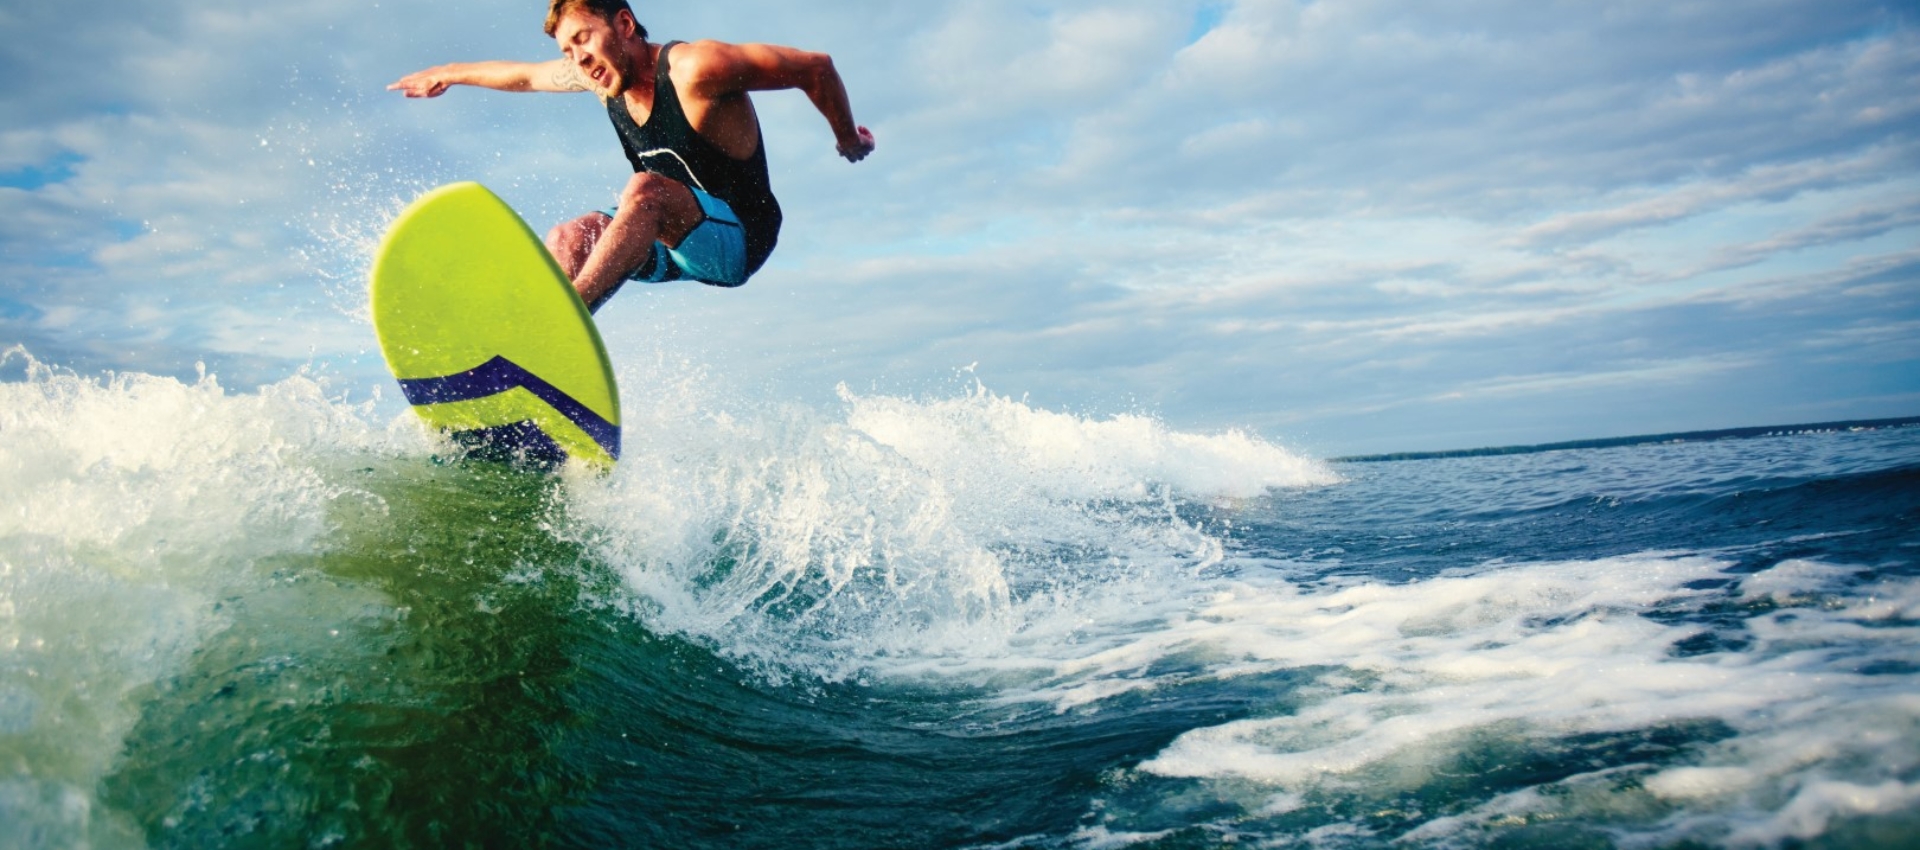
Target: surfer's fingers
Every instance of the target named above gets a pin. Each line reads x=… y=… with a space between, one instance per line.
x=860 y=149
x=419 y=85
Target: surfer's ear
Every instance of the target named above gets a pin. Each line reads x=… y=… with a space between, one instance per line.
x=627 y=25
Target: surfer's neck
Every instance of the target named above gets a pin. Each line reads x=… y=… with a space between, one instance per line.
x=639 y=78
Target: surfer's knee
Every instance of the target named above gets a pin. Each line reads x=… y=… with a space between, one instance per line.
x=571 y=242
x=664 y=198
x=667 y=205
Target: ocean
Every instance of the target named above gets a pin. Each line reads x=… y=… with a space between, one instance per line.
x=281 y=617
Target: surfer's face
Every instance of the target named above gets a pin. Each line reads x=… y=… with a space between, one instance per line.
x=598 y=48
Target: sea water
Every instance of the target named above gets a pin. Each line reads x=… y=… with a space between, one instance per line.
x=282 y=618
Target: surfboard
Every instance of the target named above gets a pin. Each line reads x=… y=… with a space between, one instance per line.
x=490 y=343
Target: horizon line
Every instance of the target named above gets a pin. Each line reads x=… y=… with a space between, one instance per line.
x=1641 y=440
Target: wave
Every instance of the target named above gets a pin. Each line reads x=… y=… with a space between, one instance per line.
x=170 y=537
x=893 y=527
x=215 y=604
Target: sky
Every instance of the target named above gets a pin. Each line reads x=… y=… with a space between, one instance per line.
x=1347 y=226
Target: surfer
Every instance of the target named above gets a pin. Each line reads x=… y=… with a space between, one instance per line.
x=699 y=205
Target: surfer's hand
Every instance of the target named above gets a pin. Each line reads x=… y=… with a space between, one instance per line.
x=860 y=148
x=432 y=82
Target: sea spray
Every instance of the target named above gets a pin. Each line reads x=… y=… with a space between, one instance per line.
x=899 y=530
x=133 y=506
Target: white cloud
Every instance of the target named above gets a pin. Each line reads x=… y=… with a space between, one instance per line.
x=1769 y=182
x=1552 y=384
x=1313 y=218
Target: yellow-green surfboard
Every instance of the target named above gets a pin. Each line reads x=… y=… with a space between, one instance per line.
x=489 y=341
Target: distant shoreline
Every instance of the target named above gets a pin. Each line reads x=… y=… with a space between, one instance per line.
x=1645 y=439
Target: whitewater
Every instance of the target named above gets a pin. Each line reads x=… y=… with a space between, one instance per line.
x=287 y=617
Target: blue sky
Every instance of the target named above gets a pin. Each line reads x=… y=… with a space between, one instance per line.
x=1348 y=225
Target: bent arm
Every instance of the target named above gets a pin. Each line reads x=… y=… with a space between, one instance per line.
x=555 y=75
x=726 y=69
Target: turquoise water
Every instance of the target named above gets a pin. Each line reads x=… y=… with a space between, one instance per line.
x=275 y=619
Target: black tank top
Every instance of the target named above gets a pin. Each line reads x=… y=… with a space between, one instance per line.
x=668 y=146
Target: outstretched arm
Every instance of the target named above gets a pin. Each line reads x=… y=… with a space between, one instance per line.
x=555 y=75
x=723 y=69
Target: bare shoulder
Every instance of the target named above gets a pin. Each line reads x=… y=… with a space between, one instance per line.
x=718 y=68
x=704 y=59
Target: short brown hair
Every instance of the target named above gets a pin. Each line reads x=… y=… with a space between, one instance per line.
x=606 y=9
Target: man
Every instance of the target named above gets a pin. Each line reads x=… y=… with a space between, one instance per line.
x=699 y=205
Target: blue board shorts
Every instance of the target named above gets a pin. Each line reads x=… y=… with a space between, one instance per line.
x=714 y=252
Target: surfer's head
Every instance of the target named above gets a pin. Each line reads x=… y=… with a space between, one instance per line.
x=602 y=40
x=605 y=10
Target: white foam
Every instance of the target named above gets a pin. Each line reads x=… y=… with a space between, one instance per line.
x=1819 y=802
x=1688 y=784
x=1100 y=837
x=1792 y=582
x=1433 y=670
x=1072 y=457
x=898 y=532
